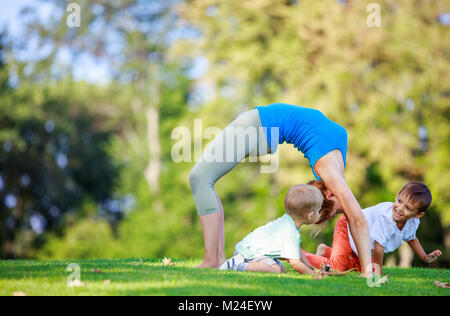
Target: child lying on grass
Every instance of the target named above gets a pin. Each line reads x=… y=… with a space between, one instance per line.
x=389 y=225
x=280 y=239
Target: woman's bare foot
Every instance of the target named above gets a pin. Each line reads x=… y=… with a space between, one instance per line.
x=321 y=249
x=208 y=265
x=221 y=261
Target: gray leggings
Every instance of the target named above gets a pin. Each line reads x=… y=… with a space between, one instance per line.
x=244 y=137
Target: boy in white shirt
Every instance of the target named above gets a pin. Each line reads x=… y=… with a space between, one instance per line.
x=280 y=239
x=390 y=224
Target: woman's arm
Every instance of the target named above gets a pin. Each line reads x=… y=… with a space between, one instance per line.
x=305 y=260
x=300 y=267
x=378 y=255
x=331 y=169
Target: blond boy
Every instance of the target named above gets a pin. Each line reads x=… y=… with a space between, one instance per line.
x=280 y=239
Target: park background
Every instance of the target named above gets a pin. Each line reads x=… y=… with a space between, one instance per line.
x=87 y=115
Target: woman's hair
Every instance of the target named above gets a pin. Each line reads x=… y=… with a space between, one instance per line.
x=326 y=210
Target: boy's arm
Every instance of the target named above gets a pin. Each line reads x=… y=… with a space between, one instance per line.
x=300 y=267
x=417 y=247
x=305 y=260
x=378 y=255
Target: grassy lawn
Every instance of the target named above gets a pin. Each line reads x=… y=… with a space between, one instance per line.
x=152 y=277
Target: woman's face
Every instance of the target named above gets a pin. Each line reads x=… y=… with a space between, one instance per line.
x=337 y=208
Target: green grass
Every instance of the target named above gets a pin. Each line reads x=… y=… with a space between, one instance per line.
x=151 y=277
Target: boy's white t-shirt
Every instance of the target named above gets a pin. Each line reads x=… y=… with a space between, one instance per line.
x=384 y=230
x=278 y=239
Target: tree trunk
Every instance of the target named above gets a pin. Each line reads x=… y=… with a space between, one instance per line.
x=153 y=170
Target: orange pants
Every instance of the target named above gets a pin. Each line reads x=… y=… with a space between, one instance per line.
x=341 y=256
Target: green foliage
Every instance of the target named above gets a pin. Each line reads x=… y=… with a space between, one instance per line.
x=52 y=158
x=85 y=239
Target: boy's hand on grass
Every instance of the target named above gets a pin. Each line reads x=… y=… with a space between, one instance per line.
x=432 y=257
x=319 y=274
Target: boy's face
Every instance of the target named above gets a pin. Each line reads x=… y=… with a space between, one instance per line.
x=405 y=209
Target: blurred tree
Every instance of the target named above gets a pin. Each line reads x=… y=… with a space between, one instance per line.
x=86 y=239
x=132 y=36
x=149 y=96
x=52 y=159
x=5 y=92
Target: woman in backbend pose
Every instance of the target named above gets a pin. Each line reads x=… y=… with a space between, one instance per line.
x=322 y=141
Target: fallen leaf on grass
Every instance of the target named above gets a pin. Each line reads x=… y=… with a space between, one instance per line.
x=137 y=263
x=168 y=262
x=442 y=285
x=19 y=294
x=107 y=282
x=383 y=280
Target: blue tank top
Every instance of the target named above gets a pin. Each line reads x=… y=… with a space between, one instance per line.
x=310 y=131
